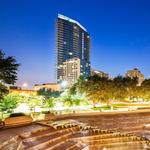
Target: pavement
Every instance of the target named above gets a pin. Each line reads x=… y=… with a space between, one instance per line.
x=7 y=133
x=131 y=121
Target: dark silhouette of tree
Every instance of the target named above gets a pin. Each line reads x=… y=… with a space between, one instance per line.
x=8 y=72
x=8 y=69
x=3 y=91
x=144 y=90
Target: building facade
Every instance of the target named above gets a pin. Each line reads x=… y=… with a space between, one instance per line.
x=136 y=73
x=73 y=41
x=71 y=70
x=50 y=86
x=99 y=73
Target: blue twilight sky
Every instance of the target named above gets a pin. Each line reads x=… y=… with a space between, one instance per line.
x=119 y=29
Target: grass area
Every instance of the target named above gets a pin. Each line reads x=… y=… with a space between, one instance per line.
x=117 y=106
x=120 y=105
x=104 y=108
x=99 y=108
x=130 y=104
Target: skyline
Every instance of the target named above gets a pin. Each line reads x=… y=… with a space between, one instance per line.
x=119 y=32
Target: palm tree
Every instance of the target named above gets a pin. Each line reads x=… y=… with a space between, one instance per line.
x=68 y=101
x=50 y=103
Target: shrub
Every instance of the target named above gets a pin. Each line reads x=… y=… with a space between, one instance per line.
x=47 y=112
x=17 y=114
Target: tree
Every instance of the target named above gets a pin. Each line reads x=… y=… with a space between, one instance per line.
x=124 y=87
x=8 y=103
x=104 y=90
x=120 y=90
x=68 y=101
x=8 y=72
x=97 y=89
x=132 y=87
x=3 y=91
x=33 y=101
x=8 y=69
x=50 y=103
x=144 y=90
x=48 y=93
x=72 y=89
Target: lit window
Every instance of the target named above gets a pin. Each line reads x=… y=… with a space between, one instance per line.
x=74 y=27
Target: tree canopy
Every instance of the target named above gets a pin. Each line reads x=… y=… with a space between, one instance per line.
x=8 y=69
x=48 y=93
x=8 y=72
x=104 y=90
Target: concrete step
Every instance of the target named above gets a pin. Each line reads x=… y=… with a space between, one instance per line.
x=78 y=146
x=109 y=140
x=47 y=132
x=48 y=139
x=64 y=145
x=119 y=146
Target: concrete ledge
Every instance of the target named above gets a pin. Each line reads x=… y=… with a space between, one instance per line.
x=16 y=121
x=49 y=116
x=91 y=114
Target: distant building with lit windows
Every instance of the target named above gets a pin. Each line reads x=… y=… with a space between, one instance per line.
x=48 y=86
x=71 y=70
x=73 y=41
x=136 y=73
x=99 y=73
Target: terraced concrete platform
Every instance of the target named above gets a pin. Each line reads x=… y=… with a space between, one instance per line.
x=126 y=132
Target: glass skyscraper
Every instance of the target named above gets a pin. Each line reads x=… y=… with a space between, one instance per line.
x=73 y=41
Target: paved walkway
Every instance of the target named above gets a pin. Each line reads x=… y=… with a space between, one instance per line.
x=8 y=133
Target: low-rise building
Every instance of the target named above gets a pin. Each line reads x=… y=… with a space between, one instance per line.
x=51 y=86
x=135 y=73
x=99 y=73
x=22 y=91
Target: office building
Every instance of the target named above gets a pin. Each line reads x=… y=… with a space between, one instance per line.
x=73 y=41
x=135 y=73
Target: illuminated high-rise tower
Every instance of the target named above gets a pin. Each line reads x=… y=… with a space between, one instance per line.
x=73 y=41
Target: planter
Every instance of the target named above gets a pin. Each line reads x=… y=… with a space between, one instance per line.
x=16 y=121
